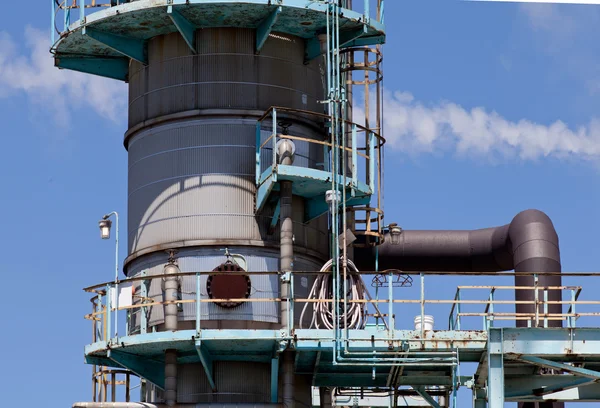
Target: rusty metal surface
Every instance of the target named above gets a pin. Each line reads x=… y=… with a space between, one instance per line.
x=145 y=19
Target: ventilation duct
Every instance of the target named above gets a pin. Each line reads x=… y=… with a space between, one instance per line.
x=528 y=244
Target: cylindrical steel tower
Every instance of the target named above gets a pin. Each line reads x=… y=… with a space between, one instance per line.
x=208 y=188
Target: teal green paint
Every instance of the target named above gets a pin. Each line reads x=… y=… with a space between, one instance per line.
x=312 y=49
x=274 y=380
x=115 y=68
x=421 y=391
x=144 y=366
x=265 y=27
x=186 y=29
x=129 y=47
x=207 y=363
x=302 y=18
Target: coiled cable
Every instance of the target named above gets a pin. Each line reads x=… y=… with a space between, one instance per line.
x=354 y=315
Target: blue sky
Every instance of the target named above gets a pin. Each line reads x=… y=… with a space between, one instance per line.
x=491 y=109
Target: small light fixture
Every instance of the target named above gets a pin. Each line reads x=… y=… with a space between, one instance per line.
x=105 y=225
x=395 y=232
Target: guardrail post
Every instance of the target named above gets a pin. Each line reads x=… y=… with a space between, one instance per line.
x=537 y=300
x=144 y=309
x=572 y=319
x=82 y=12
x=258 y=151
x=422 y=307
x=458 y=310
x=291 y=305
x=198 y=304
x=371 y=162
x=491 y=319
x=108 y=311
x=546 y=308
x=391 y=304
x=354 y=160
x=274 y=142
x=99 y=330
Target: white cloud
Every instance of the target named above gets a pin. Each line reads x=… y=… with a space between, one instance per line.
x=60 y=92
x=413 y=127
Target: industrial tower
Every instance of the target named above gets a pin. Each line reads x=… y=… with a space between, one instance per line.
x=255 y=212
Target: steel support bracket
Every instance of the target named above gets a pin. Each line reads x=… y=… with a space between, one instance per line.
x=115 y=68
x=275 y=218
x=142 y=366
x=274 y=380
x=542 y=362
x=207 y=363
x=130 y=47
x=264 y=28
x=421 y=391
x=495 y=381
x=185 y=28
x=347 y=37
x=312 y=49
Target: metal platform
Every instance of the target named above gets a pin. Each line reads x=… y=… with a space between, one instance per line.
x=102 y=42
x=313 y=183
x=513 y=364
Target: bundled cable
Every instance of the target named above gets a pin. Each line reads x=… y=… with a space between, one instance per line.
x=350 y=315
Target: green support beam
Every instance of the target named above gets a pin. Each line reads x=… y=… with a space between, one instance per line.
x=552 y=387
x=544 y=363
x=312 y=49
x=264 y=28
x=207 y=363
x=130 y=47
x=115 y=68
x=421 y=391
x=347 y=37
x=143 y=366
x=185 y=28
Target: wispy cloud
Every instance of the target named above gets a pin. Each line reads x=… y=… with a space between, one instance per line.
x=411 y=126
x=29 y=69
x=567 y=34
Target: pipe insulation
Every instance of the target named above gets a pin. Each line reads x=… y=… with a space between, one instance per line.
x=528 y=244
x=171 y=288
x=352 y=316
x=286 y=249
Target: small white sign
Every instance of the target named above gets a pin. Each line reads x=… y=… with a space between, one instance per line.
x=125 y=295
x=304 y=282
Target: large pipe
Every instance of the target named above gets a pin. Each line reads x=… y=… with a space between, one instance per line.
x=286 y=248
x=171 y=323
x=528 y=244
x=288 y=379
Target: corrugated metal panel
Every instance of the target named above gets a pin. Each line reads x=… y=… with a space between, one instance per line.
x=206 y=259
x=226 y=73
x=194 y=180
x=236 y=381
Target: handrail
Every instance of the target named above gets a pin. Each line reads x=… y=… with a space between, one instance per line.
x=103 y=307
x=362 y=128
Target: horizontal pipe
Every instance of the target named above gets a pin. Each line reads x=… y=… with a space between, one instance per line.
x=528 y=244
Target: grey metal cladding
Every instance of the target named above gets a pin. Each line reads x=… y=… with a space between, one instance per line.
x=206 y=259
x=226 y=73
x=251 y=383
